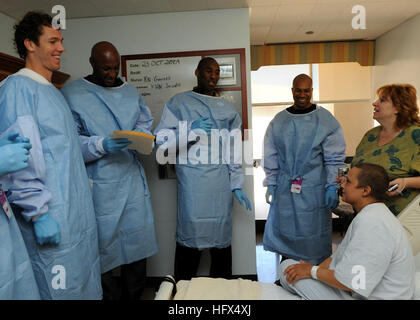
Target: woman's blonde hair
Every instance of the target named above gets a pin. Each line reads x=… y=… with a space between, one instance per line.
x=404 y=99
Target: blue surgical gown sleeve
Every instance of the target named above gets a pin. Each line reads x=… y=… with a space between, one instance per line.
x=27 y=187
x=145 y=120
x=92 y=148
x=334 y=149
x=91 y=145
x=270 y=160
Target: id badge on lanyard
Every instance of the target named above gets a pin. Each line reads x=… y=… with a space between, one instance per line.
x=5 y=204
x=296 y=185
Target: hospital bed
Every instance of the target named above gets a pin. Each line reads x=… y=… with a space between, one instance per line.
x=204 y=288
x=410 y=220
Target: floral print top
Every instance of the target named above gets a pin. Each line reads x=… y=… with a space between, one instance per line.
x=400 y=157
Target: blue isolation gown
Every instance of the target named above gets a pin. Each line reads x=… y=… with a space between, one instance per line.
x=17 y=280
x=55 y=181
x=120 y=192
x=310 y=146
x=204 y=187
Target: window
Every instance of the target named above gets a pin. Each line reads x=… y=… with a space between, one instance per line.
x=272 y=84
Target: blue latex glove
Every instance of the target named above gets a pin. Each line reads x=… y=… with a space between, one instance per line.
x=14 y=157
x=243 y=200
x=13 y=138
x=270 y=193
x=114 y=145
x=331 y=197
x=46 y=230
x=203 y=123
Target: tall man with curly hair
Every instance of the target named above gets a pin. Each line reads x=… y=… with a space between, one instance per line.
x=51 y=197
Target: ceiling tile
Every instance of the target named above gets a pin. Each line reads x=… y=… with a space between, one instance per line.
x=258 y=35
x=280 y=35
x=262 y=17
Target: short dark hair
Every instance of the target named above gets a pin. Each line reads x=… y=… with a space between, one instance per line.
x=204 y=61
x=375 y=177
x=30 y=27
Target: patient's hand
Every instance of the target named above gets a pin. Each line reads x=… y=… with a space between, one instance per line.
x=295 y=272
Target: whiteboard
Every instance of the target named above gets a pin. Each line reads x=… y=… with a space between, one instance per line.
x=159 y=76
x=159 y=79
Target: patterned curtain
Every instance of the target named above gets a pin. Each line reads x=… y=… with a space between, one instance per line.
x=362 y=52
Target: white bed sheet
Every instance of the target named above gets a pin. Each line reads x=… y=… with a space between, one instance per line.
x=203 y=288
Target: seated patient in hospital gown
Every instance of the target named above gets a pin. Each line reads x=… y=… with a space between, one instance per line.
x=374 y=260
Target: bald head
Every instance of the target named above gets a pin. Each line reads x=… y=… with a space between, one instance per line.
x=302 y=77
x=105 y=62
x=103 y=48
x=302 y=91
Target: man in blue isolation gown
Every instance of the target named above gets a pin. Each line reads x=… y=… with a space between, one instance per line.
x=102 y=103
x=51 y=197
x=204 y=189
x=17 y=280
x=303 y=148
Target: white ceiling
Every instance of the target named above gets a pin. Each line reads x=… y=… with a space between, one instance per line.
x=271 y=21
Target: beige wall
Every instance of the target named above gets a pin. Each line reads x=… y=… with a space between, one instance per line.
x=344 y=81
x=397 y=55
x=350 y=85
x=355 y=119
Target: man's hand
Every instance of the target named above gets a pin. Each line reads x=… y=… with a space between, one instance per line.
x=269 y=194
x=111 y=145
x=243 y=200
x=331 y=198
x=46 y=230
x=295 y=272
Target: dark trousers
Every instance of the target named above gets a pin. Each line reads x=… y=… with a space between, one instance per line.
x=187 y=261
x=129 y=286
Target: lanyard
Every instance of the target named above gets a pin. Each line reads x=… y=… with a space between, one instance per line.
x=5 y=204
